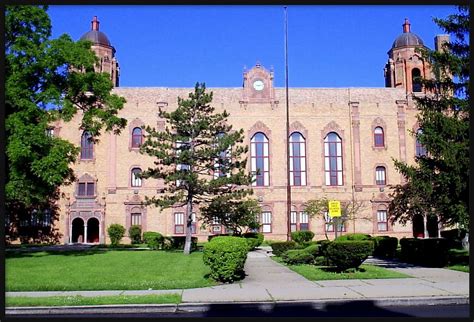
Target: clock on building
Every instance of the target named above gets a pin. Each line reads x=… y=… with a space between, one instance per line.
x=258 y=85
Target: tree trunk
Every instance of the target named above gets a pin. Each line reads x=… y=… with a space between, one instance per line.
x=187 y=242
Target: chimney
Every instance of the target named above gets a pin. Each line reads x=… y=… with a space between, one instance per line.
x=439 y=41
x=95 y=23
x=406 y=26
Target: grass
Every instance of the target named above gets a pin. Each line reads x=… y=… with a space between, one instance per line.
x=323 y=273
x=16 y=301
x=105 y=270
x=461 y=268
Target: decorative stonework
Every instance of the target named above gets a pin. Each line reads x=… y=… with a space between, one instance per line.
x=259 y=127
x=298 y=127
x=264 y=93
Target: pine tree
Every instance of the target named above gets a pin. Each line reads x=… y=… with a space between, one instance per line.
x=438 y=184
x=47 y=80
x=199 y=158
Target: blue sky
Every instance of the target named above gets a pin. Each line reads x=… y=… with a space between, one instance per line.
x=176 y=46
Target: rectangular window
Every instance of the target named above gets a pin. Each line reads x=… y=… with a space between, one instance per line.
x=86 y=189
x=136 y=219
x=266 y=222
x=304 y=221
x=382 y=224
x=380 y=175
x=293 y=221
x=179 y=223
x=193 y=223
x=329 y=226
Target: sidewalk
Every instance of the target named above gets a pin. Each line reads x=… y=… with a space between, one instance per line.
x=269 y=281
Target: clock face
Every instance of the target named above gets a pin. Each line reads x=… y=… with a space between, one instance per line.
x=258 y=85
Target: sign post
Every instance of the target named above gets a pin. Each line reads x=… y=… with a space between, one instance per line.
x=334 y=207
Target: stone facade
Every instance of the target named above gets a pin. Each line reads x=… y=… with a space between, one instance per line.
x=352 y=113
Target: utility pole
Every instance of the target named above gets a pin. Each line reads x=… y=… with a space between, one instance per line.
x=288 y=186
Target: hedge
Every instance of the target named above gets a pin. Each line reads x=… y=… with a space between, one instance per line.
x=313 y=250
x=278 y=248
x=385 y=246
x=258 y=236
x=431 y=252
x=302 y=236
x=355 y=236
x=226 y=256
x=349 y=254
x=297 y=256
x=116 y=233
x=177 y=243
x=135 y=234
x=153 y=239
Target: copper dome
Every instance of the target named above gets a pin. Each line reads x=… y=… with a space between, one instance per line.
x=95 y=36
x=407 y=38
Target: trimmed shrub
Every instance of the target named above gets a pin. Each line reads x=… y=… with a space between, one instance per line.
x=313 y=250
x=297 y=256
x=210 y=237
x=454 y=237
x=135 y=234
x=279 y=248
x=116 y=233
x=258 y=236
x=252 y=243
x=321 y=261
x=302 y=236
x=458 y=257
x=226 y=256
x=385 y=246
x=177 y=243
x=153 y=239
x=349 y=254
x=355 y=236
x=431 y=252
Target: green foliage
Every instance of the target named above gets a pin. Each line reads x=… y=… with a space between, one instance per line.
x=313 y=250
x=135 y=234
x=153 y=239
x=438 y=184
x=458 y=257
x=302 y=236
x=116 y=233
x=258 y=236
x=297 y=256
x=45 y=81
x=226 y=258
x=431 y=252
x=355 y=236
x=349 y=254
x=186 y=152
x=385 y=246
x=178 y=242
x=279 y=248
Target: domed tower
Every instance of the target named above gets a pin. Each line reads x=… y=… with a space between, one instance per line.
x=404 y=64
x=104 y=50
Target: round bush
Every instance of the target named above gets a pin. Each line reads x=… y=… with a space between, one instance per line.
x=297 y=256
x=116 y=233
x=355 y=236
x=258 y=236
x=279 y=248
x=349 y=254
x=302 y=236
x=226 y=258
x=135 y=234
x=153 y=239
x=252 y=243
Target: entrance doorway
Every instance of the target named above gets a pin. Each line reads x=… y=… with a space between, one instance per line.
x=418 y=226
x=77 y=231
x=93 y=230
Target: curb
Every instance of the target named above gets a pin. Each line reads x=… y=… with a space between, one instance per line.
x=203 y=307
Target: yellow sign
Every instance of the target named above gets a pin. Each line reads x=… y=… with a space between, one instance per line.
x=334 y=208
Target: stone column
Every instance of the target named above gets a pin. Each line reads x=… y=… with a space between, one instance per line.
x=425 y=223
x=85 y=232
x=112 y=164
x=356 y=145
x=402 y=144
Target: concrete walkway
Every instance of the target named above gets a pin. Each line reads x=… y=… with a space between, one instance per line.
x=269 y=281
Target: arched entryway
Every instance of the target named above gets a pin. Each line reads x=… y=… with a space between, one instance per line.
x=93 y=230
x=77 y=230
x=418 y=226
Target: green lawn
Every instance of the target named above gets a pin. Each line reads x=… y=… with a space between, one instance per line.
x=462 y=268
x=322 y=273
x=15 y=301
x=105 y=270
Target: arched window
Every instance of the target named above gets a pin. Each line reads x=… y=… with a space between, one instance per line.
x=416 y=79
x=420 y=148
x=380 y=176
x=137 y=137
x=87 y=146
x=260 y=161
x=379 y=137
x=333 y=160
x=136 y=181
x=297 y=160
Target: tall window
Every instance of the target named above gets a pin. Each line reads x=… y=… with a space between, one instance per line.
x=378 y=137
x=266 y=222
x=382 y=224
x=179 y=223
x=297 y=160
x=136 y=219
x=300 y=222
x=416 y=79
x=137 y=137
x=87 y=146
x=293 y=221
x=304 y=221
x=329 y=224
x=136 y=181
x=380 y=176
x=86 y=189
x=333 y=159
x=216 y=225
x=260 y=161
x=193 y=223
x=420 y=148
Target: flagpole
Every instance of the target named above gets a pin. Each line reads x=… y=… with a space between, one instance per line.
x=288 y=186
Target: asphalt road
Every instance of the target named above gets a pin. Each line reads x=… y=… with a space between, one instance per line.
x=290 y=310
